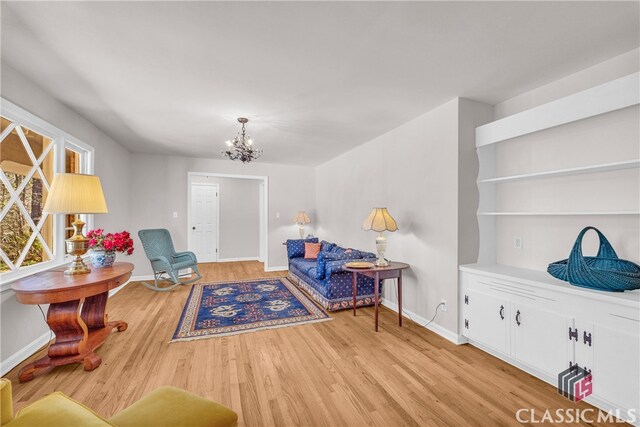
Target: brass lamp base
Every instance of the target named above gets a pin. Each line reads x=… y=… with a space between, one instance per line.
x=77 y=245
x=77 y=266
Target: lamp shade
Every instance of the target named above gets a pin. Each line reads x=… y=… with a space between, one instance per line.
x=72 y=193
x=380 y=220
x=301 y=218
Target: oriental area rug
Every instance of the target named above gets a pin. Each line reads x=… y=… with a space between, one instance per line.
x=221 y=309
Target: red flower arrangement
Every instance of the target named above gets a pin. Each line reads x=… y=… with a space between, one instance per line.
x=118 y=242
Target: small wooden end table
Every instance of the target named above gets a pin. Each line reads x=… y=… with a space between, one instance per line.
x=76 y=313
x=392 y=271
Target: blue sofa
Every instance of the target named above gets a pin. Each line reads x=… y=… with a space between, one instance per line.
x=323 y=278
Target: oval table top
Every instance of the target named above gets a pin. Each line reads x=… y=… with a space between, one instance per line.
x=393 y=265
x=52 y=286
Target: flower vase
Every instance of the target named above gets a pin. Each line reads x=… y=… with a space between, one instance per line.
x=102 y=258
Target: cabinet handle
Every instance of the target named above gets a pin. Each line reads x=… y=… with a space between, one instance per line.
x=502 y=312
x=518 y=317
x=573 y=333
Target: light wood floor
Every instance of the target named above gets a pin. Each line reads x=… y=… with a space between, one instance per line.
x=336 y=373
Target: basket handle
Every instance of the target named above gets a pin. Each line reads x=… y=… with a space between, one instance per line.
x=604 y=251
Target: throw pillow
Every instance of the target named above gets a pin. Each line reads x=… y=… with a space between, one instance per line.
x=327 y=246
x=295 y=247
x=311 y=250
x=322 y=262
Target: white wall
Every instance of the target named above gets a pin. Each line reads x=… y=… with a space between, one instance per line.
x=22 y=324
x=159 y=187
x=239 y=216
x=601 y=139
x=418 y=171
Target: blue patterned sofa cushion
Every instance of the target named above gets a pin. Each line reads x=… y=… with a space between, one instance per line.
x=295 y=247
x=304 y=265
x=323 y=257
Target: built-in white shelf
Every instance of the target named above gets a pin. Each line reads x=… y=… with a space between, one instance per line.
x=614 y=95
x=577 y=213
x=605 y=167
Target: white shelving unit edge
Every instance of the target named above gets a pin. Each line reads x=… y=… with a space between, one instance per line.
x=604 y=167
x=614 y=95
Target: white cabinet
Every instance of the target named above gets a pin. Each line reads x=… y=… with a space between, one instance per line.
x=537 y=330
x=542 y=325
x=486 y=319
x=611 y=354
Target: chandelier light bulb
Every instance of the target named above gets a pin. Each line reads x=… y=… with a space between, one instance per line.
x=250 y=141
x=229 y=144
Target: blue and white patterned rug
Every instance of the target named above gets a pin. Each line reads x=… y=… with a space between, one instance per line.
x=219 y=309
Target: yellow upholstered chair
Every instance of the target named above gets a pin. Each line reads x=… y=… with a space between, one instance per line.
x=164 y=407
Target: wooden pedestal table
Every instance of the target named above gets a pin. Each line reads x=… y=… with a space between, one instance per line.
x=392 y=271
x=76 y=313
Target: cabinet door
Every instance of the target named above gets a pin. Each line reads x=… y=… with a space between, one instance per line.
x=486 y=320
x=541 y=338
x=614 y=361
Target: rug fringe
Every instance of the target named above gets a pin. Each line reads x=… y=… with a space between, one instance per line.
x=226 y=334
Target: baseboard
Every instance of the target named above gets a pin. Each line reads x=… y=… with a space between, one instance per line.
x=141 y=278
x=144 y=278
x=433 y=327
x=238 y=259
x=24 y=353
x=269 y=269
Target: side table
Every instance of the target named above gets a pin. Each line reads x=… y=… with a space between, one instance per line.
x=392 y=271
x=76 y=313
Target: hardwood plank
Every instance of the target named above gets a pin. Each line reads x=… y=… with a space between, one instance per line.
x=337 y=373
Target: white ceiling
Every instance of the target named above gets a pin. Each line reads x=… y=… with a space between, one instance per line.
x=315 y=78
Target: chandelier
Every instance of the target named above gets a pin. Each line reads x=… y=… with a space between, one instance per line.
x=241 y=148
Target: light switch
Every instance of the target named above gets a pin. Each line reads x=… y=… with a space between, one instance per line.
x=175 y=214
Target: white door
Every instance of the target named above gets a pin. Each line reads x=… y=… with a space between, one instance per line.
x=203 y=222
x=486 y=319
x=541 y=338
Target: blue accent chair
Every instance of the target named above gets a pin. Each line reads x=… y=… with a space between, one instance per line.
x=165 y=260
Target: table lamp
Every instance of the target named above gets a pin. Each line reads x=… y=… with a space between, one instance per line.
x=301 y=219
x=379 y=220
x=76 y=194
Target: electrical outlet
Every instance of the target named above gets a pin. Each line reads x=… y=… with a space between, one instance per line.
x=517 y=242
x=444 y=306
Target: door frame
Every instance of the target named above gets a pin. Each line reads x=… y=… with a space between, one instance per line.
x=217 y=207
x=264 y=209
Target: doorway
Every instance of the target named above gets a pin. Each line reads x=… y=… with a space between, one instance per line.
x=241 y=217
x=203 y=221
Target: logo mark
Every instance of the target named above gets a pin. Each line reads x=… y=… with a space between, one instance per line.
x=575 y=383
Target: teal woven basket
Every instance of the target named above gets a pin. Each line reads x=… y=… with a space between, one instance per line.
x=605 y=271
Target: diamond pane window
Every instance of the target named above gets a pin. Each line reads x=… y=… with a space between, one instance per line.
x=26 y=162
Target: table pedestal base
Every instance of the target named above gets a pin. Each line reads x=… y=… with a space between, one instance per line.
x=78 y=335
